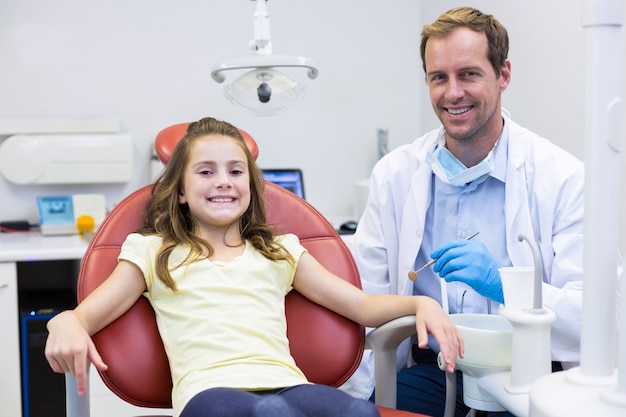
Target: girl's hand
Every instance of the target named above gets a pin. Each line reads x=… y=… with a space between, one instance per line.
x=69 y=346
x=430 y=318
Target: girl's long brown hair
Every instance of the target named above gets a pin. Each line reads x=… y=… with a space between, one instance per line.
x=173 y=221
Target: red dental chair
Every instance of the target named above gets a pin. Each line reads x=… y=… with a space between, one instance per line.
x=326 y=346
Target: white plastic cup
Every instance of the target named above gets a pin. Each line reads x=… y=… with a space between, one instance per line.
x=518 y=286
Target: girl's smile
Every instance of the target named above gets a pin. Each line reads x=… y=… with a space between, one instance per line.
x=216 y=183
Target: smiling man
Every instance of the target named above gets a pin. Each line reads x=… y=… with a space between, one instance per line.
x=478 y=172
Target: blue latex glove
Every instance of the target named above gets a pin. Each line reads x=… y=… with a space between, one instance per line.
x=470 y=262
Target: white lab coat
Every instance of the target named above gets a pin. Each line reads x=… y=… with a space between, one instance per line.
x=543 y=200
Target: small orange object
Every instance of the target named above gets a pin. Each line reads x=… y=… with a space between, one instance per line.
x=85 y=225
x=413 y=276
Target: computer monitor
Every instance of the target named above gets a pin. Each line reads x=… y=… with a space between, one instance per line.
x=289 y=178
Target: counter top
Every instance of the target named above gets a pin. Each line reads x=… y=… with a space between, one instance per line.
x=32 y=246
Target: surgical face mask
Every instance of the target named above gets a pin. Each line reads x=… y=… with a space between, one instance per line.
x=451 y=171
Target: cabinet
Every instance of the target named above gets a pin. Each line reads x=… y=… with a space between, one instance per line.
x=31 y=264
x=10 y=380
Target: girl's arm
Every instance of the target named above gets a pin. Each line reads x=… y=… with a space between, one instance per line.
x=69 y=342
x=321 y=286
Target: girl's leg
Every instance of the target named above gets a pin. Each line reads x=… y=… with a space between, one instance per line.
x=221 y=402
x=226 y=402
x=324 y=401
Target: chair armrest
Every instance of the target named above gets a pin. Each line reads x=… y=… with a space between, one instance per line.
x=77 y=405
x=384 y=341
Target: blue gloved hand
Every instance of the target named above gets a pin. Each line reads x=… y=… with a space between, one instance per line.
x=470 y=262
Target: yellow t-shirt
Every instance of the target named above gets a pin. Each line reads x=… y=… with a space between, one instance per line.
x=226 y=325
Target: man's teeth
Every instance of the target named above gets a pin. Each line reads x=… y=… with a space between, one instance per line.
x=458 y=111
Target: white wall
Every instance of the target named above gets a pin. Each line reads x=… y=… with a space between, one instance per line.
x=147 y=62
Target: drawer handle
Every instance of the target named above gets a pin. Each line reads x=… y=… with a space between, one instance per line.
x=3 y=285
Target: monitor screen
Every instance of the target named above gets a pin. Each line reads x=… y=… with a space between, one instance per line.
x=289 y=178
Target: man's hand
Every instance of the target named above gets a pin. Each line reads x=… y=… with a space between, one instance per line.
x=470 y=262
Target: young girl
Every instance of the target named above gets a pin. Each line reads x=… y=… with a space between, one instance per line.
x=217 y=277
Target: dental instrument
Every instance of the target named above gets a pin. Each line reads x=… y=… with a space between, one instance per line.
x=413 y=274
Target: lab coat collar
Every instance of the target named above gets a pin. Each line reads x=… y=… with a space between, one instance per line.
x=500 y=154
x=516 y=200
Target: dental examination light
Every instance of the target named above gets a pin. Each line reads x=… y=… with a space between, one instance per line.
x=263 y=90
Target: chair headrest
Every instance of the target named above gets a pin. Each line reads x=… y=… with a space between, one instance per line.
x=167 y=139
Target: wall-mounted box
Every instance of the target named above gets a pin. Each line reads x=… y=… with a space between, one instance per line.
x=67 y=158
